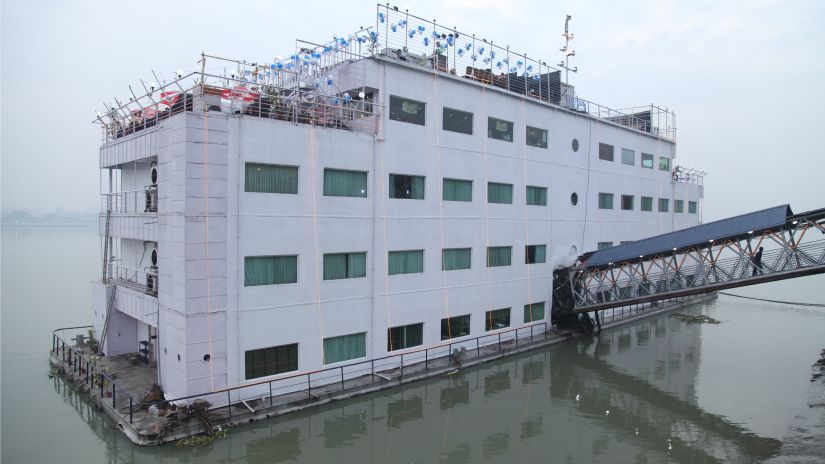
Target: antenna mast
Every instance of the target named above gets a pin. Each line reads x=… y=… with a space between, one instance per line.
x=568 y=52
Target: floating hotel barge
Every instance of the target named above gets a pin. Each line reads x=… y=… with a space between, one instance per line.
x=390 y=197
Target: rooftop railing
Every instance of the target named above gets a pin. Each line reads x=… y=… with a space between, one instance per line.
x=324 y=84
x=405 y=37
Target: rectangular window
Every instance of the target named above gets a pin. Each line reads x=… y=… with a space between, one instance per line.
x=663 y=205
x=664 y=163
x=499 y=256
x=271 y=361
x=647 y=203
x=270 y=270
x=647 y=160
x=344 y=348
x=406 y=110
x=405 y=336
x=604 y=245
x=692 y=207
x=454 y=259
x=406 y=262
x=628 y=157
x=536 y=137
x=536 y=196
x=605 y=201
x=345 y=265
x=534 y=254
x=342 y=183
x=457 y=190
x=499 y=193
x=533 y=312
x=499 y=129
x=457 y=121
x=271 y=178
x=497 y=319
x=409 y=187
x=454 y=327
x=678 y=206
x=605 y=152
x=627 y=202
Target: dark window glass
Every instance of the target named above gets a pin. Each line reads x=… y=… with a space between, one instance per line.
x=497 y=319
x=574 y=198
x=575 y=145
x=405 y=336
x=405 y=262
x=499 y=256
x=536 y=137
x=605 y=201
x=409 y=187
x=605 y=152
x=457 y=121
x=499 y=193
x=454 y=327
x=271 y=361
x=536 y=196
x=454 y=259
x=406 y=110
x=499 y=129
x=663 y=205
x=341 y=183
x=604 y=245
x=345 y=265
x=664 y=163
x=692 y=207
x=678 y=206
x=627 y=202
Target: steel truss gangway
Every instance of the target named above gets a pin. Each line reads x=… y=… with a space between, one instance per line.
x=762 y=246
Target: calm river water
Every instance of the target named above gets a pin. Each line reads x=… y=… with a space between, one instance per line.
x=657 y=391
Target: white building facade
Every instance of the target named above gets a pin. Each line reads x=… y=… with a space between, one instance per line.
x=285 y=247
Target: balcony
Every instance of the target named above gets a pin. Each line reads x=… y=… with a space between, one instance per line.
x=133 y=214
x=142 y=281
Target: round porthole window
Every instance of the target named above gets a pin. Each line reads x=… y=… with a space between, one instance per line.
x=206 y=357
x=575 y=144
x=574 y=199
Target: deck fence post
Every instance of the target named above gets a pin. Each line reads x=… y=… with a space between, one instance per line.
x=309 y=385
x=130 y=409
x=228 y=403
x=113 y=397
x=427 y=359
x=402 y=367
x=478 y=348
x=372 y=370
x=342 y=378
x=531 y=334
x=270 y=394
x=499 y=341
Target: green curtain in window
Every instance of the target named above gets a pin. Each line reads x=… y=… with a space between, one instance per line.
x=498 y=256
x=269 y=270
x=335 y=266
x=541 y=251
x=344 y=348
x=357 y=265
x=340 y=183
x=417 y=188
x=456 y=258
x=536 y=196
x=406 y=262
x=458 y=190
x=499 y=193
x=269 y=178
x=534 y=312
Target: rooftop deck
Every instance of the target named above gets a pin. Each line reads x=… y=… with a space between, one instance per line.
x=322 y=85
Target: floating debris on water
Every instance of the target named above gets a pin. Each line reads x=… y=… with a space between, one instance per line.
x=820 y=363
x=696 y=318
x=205 y=439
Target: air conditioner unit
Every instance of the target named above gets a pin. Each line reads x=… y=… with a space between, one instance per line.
x=152 y=281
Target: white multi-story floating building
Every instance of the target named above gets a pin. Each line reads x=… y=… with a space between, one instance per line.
x=392 y=190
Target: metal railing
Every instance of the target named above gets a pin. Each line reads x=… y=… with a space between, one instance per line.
x=402 y=36
x=132 y=201
x=141 y=280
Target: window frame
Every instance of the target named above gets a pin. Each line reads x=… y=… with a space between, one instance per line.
x=490 y=131
x=500 y=184
x=632 y=153
x=324 y=347
x=666 y=203
x=668 y=165
x=412 y=183
x=445 y=118
x=543 y=138
x=499 y=249
x=348 y=255
x=603 y=152
x=326 y=193
x=632 y=202
x=249 y=164
x=406 y=255
x=542 y=195
x=248 y=369
x=396 y=110
x=406 y=327
x=443 y=262
x=693 y=206
x=528 y=311
x=448 y=322
x=535 y=248
x=247 y=259
x=649 y=207
x=648 y=160
x=604 y=196
x=490 y=316
x=458 y=181
x=678 y=206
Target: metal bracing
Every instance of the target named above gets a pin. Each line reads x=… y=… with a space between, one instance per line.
x=794 y=249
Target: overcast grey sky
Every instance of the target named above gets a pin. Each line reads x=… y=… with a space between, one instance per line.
x=746 y=79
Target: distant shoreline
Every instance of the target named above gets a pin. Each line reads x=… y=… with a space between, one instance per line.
x=46 y=224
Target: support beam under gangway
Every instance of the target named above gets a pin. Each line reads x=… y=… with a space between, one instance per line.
x=754 y=248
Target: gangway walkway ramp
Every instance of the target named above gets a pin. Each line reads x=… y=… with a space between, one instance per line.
x=762 y=246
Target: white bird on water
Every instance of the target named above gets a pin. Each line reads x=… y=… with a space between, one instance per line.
x=607 y=413
x=637 y=431
x=578 y=397
x=669 y=446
